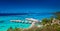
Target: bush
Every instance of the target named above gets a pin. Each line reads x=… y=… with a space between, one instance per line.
x=10 y=29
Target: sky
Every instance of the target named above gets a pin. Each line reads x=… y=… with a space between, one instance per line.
x=29 y=6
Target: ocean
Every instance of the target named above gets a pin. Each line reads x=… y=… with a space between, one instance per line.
x=5 y=24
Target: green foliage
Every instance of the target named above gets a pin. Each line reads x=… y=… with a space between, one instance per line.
x=57 y=27
x=10 y=29
x=38 y=29
x=48 y=28
x=17 y=29
x=54 y=27
x=44 y=21
x=50 y=19
x=34 y=29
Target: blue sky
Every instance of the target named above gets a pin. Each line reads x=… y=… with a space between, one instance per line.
x=29 y=6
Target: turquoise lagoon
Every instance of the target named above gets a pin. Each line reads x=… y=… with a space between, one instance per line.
x=7 y=24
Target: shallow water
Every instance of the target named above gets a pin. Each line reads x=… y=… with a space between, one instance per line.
x=6 y=24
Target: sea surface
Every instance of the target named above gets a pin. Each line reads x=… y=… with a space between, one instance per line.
x=7 y=24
